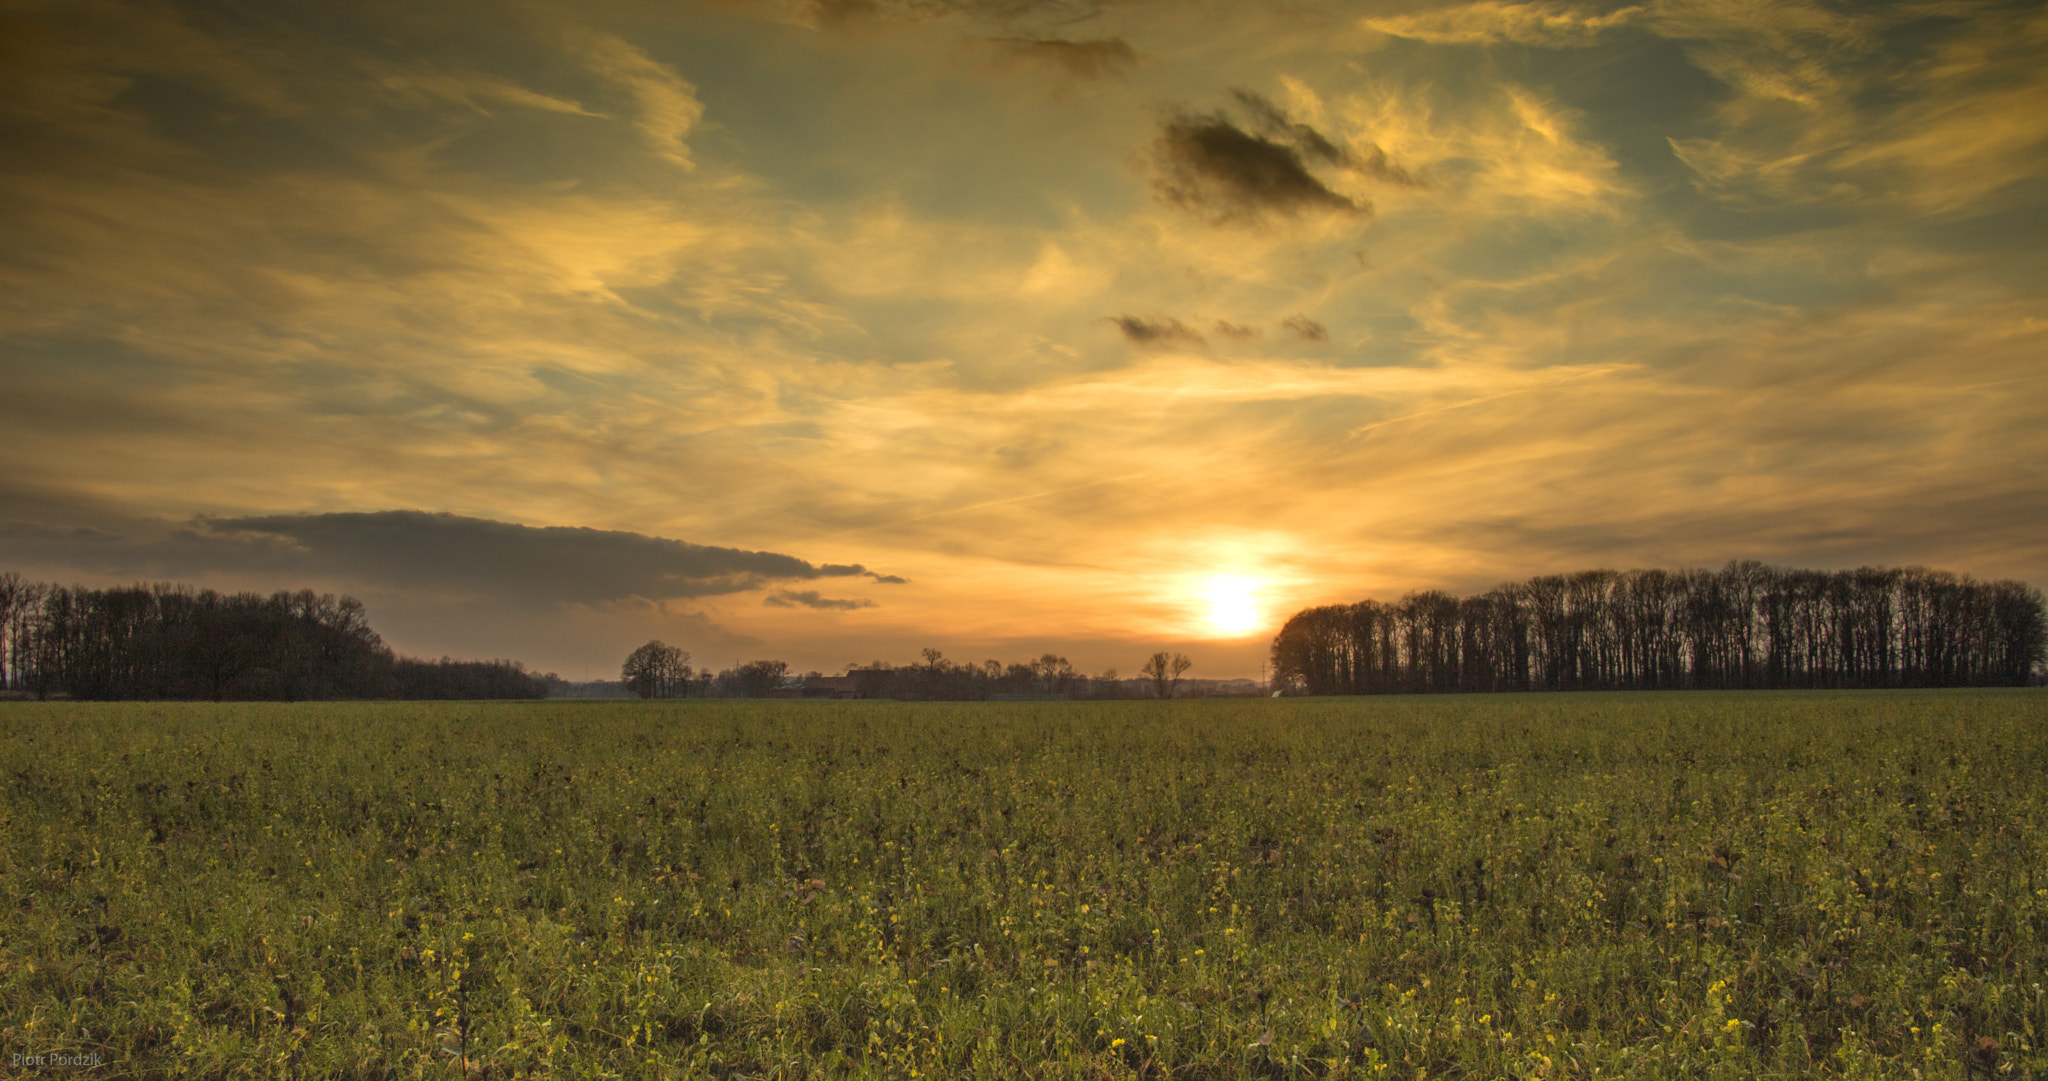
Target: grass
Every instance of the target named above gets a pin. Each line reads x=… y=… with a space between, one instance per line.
x=1658 y=885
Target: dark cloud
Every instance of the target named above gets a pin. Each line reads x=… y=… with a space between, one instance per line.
x=809 y=598
x=1232 y=330
x=394 y=551
x=1007 y=13
x=621 y=588
x=1307 y=329
x=1268 y=119
x=1374 y=163
x=1054 y=12
x=1158 y=333
x=1101 y=58
x=1209 y=166
x=416 y=549
x=53 y=536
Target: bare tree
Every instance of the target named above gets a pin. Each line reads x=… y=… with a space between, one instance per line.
x=1747 y=625
x=657 y=670
x=1054 y=674
x=18 y=599
x=1164 y=670
x=935 y=668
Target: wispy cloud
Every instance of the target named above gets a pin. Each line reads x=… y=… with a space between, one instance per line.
x=1490 y=21
x=1306 y=329
x=478 y=90
x=1512 y=152
x=667 y=102
x=1953 y=126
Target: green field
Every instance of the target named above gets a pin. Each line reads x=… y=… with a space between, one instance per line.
x=1651 y=885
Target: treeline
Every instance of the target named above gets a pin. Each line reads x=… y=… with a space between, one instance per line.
x=167 y=641
x=1747 y=625
x=659 y=670
x=939 y=679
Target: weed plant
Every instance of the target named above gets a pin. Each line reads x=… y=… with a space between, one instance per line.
x=1667 y=885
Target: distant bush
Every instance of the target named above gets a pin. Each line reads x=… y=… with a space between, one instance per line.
x=453 y=679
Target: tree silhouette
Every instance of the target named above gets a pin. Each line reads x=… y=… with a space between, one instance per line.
x=657 y=670
x=165 y=641
x=1164 y=670
x=1746 y=626
x=1054 y=674
x=755 y=679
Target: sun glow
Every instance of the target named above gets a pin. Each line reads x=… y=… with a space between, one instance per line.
x=1233 y=608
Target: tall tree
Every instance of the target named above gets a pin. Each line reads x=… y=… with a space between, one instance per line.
x=19 y=599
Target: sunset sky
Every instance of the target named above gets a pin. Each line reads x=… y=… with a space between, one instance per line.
x=827 y=330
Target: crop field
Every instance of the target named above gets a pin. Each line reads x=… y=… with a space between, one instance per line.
x=1728 y=885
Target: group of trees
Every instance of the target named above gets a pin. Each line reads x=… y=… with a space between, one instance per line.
x=167 y=641
x=658 y=670
x=940 y=679
x=754 y=679
x=1747 y=625
x=1051 y=675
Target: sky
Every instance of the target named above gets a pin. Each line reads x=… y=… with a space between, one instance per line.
x=832 y=330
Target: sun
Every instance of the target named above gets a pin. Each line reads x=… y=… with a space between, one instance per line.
x=1232 y=606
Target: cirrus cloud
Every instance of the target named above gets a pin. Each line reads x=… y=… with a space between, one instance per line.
x=1489 y=21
